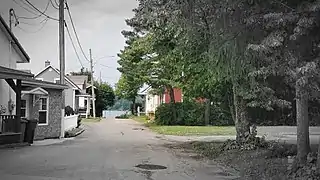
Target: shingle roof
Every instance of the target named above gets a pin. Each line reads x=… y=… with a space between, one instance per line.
x=8 y=73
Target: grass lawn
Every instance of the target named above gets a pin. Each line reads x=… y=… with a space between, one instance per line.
x=90 y=120
x=188 y=130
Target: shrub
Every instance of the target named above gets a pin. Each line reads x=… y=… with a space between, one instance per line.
x=68 y=111
x=190 y=114
x=123 y=116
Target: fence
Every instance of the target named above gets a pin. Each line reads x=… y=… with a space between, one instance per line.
x=8 y=123
x=70 y=122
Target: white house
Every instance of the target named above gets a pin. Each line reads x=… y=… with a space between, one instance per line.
x=10 y=84
x=52 y=74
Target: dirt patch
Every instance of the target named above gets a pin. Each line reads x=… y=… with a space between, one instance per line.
x=273 y=162
x=138 y=129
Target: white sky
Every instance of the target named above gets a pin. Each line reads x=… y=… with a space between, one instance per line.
x=98 y=23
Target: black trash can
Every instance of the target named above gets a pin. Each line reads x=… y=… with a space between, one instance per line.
x=24 y=123
x=30 y=128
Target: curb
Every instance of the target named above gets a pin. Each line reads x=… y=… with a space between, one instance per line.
x=79 y=132
x=14 y=145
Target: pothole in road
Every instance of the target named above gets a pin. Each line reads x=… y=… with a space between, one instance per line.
x=150 y=167
x=138 y=129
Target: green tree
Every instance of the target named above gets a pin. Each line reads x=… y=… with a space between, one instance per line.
x=105 y=97
x=127 y=88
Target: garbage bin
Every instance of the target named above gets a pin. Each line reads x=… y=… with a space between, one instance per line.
x=23 y=122
x=30 y=128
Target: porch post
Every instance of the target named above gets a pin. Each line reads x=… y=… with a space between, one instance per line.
x=18 y=105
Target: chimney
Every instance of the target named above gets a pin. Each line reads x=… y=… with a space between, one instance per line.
x=47 y=63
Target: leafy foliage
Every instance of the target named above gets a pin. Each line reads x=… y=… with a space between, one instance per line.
x=68 y=111
x=190 y=114
x=105 y=98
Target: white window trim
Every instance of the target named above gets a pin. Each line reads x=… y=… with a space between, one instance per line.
x=47 y=123
x=27 y=108
x=56 y=79
x=40 y=79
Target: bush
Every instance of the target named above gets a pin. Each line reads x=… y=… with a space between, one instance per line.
x=123 y=116
x=68 y=111
x=190 y=114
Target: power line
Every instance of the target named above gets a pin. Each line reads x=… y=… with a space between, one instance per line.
x=32 y=24
x=107 y=66
x=54 y=5
x=28 y=10
x=74 y=47
x=43 y=25
x=42 y=13
x=37 y=15
x=75 y=32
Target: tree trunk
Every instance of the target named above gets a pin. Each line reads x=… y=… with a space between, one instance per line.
x=161 y=98
x=172 y=101
x=318 y=159
x=207 y=112
x=133 y=109
x=241 y=117
x=232 y=111
x=171 y=94
x=303 y=141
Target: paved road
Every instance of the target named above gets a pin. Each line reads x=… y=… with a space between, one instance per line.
x=108 y=150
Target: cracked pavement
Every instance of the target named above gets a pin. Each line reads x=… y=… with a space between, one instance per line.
x=108 y=150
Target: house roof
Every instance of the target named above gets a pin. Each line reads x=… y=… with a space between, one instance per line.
x=90 y=86
x=78 y=79
x=58 y=71
x=8 y=73
x=37 y=91
x=43 y=84
x=16 y=44
x=144 y=91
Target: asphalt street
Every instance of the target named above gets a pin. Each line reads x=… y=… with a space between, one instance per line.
x=108 y=150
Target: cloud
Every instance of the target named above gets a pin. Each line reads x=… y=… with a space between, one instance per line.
x=98 y=24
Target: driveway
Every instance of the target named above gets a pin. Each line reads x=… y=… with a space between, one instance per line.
x=108 y=150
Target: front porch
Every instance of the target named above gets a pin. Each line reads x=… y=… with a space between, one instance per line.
x=10 y=121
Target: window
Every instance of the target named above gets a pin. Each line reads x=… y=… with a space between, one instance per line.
x=57 y=80
x=43 y=111
x=23 y=108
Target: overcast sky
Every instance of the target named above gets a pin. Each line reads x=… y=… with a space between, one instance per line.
x=98 y=23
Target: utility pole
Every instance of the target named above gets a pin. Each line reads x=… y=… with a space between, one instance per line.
x=12 y=15
x=62 y=60
x=100 y=78
x=92 y=88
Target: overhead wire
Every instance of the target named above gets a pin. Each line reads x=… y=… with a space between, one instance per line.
x=43 y=25
x=32 y=24
x=37 y=15
x=28 y=10
x=54 y=5
x=75 y=32
x=42 y=13
x=73 y=45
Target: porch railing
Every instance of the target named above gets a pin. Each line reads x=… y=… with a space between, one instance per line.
x=8 y=123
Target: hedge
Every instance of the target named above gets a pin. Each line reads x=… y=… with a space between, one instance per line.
x=191 y=114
